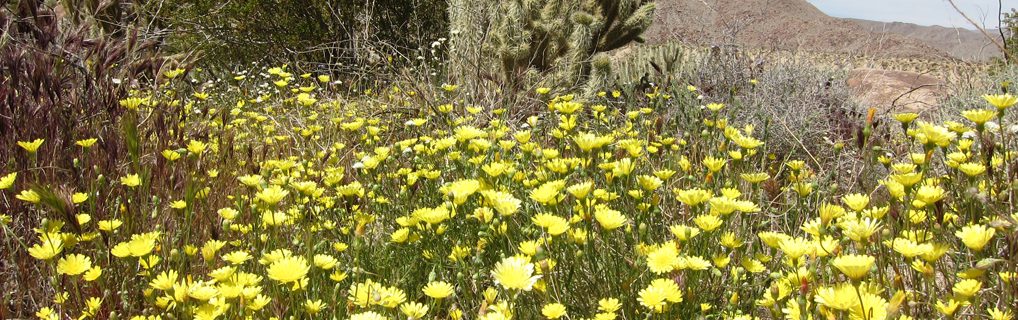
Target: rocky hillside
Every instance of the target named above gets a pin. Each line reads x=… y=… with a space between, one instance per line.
x=780 y=25
x=965 y=44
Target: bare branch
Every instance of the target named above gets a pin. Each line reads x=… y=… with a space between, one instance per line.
x=1000 y=28
x=980 y=28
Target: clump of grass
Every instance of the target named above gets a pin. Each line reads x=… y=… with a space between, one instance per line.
x=62 y=80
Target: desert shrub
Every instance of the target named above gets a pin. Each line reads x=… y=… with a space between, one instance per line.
x=804 y=108
x=308 y=34
x=965 y=94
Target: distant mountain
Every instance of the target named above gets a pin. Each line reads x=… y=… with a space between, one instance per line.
x=793 y=25
x=965 y=44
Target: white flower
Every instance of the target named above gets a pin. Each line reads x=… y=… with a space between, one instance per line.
x=992 y=126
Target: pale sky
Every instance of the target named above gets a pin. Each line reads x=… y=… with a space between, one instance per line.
x=922 y=12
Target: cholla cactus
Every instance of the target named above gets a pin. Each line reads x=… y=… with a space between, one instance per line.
x=556 y=38
x=665 y=60
x=601 y=75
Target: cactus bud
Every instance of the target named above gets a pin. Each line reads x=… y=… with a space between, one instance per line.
x=582 y=18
